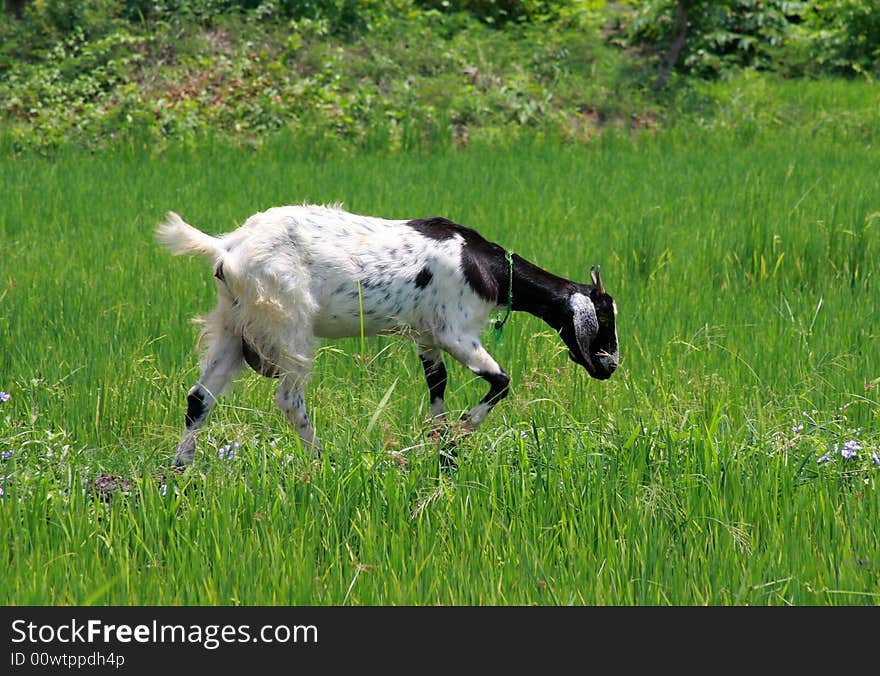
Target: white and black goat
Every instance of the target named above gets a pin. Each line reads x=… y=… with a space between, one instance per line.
x=293 y=274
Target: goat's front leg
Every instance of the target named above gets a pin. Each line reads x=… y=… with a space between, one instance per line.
x=223 y=361
x=472 y=354
x=291 y=399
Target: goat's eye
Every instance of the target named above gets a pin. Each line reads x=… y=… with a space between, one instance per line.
x=603 y=320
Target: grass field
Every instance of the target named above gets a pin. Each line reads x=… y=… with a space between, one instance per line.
x=712 y=468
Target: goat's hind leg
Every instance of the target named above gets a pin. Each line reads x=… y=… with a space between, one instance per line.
x=291 y=399
x=436 y=378
x=222 y=363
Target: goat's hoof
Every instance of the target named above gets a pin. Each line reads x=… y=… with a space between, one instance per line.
x=444 y=436
x=466 y=424
x=181 y=463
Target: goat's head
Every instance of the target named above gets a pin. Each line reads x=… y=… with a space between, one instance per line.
x=590 y=332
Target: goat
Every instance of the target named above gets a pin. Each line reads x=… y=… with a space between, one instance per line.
x=293 y=274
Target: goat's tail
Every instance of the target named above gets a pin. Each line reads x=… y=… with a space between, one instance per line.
x=180 y=238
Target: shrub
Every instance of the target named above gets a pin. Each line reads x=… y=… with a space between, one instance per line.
x=836 y=36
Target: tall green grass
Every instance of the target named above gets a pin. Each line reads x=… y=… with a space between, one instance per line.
x=745 y=268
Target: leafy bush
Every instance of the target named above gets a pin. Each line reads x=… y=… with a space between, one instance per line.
x=836 y=36
x=843 y=36
x=44 y=23
x=719 y=34
x=65 y=90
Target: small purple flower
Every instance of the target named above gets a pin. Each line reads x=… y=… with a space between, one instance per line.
x=229 y=450
x=163 y=490
x=825 y=458
x=876 y=458
x=4 y=396
x=6 y=455
x=849 y=449
x=2 y=492
x=797 y=429
x=523 y=434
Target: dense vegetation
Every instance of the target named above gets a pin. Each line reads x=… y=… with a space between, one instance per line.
x=402 y=73
x=718 y=159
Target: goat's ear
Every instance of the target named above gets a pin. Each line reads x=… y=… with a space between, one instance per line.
x=597 y=280
x=586 y=326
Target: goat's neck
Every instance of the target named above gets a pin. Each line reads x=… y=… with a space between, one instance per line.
x=536 y=291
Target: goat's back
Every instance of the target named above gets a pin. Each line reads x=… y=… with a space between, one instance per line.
x=346 y=271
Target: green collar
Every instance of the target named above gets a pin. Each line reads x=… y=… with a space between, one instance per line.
x=499 y=322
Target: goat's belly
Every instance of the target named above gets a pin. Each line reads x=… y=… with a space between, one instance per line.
x=349 y=325
x=372 y=309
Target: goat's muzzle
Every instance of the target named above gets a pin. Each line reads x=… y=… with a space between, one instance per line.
x=605 y=364
x=600 y=365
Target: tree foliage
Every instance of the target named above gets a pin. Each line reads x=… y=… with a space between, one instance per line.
x=795 y=38
x=394 y=72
